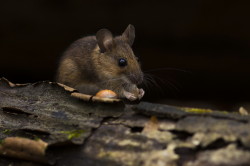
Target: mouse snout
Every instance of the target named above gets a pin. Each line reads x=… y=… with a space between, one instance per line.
x=136 y=78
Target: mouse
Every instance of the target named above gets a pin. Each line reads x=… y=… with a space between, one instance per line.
x=103 y=61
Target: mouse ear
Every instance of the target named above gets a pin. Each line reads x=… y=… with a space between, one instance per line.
x=129 y=34
x=104 y=39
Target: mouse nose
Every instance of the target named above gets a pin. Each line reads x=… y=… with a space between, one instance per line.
x=136 y=78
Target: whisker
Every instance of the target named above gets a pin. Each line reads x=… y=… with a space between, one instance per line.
x=167 y=68
x=145 y=82
x=168 y=82
x=158 y=82
x=154 y=83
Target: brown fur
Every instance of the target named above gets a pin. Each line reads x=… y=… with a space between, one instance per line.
x=91 y=64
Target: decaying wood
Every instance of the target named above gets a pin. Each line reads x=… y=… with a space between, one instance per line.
x=78 y=129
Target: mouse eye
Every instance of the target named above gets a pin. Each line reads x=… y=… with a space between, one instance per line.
x=122 y=62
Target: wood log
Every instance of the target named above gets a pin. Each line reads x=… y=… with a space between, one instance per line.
x=77 y=130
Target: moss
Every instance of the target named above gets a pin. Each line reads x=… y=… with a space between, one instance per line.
x=201 y=111
x=36 y=138
x=6 y=131
x=1 y=141
x=197 y=110
x=73 y=134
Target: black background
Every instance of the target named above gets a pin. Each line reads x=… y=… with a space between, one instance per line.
x=196 y=50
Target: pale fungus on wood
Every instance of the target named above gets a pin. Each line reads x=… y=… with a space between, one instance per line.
x=107 y=94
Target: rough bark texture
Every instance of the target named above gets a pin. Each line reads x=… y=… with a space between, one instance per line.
x=48 y=124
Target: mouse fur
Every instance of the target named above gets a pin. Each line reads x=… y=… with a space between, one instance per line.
x=93 y=63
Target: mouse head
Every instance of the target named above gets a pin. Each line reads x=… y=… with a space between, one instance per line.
x=117 y=57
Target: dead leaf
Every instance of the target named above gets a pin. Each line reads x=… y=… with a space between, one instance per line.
x=24 y=148
x=152 y=125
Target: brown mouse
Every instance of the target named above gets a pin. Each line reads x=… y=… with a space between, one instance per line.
x=100 y=62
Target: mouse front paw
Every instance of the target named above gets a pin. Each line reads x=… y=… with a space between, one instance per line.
x=134 y=96
x=129 y=96
x=141 y=93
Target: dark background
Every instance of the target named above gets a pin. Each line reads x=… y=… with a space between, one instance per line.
x=197 y=50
